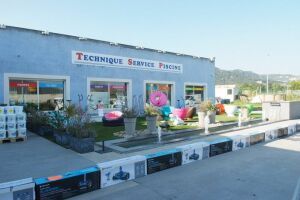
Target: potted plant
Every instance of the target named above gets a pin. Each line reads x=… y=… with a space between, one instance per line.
x=57 y=121
x=151 y=113
x=203 y=108
x=82 y=136
x=211 y=112
x=129 y=121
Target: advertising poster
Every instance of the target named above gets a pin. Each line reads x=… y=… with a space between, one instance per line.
x=68 y=185
x=240 y=142
x=270 y=135
x=256 y=138
x=292 y=129
x=220 y=146
x=122 y=170
x=282 y=132
x=163 y=160
x=191 y=152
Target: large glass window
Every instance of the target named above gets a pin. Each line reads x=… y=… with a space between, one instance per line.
x=165 y=88
x=194 y=94
x=51 y=95
x=109 y=94
x=46 y=94
x=22 y=91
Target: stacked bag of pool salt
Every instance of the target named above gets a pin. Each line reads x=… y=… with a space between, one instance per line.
x=12 y=122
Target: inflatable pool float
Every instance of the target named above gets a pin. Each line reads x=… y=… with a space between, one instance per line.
x=114 y=118
x=180 y=112
x=158 y=98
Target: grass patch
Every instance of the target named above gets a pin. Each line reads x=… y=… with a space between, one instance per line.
x=106 y=132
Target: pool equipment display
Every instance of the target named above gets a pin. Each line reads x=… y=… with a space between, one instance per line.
x=219 y=145
x=117 y=171
x=192 y=152
x=256 y=137
x=282 y=132
x=163 y=160
x=292 y=129
x=18 y=190
x=271 y=135
x=68 y=185
x=240 y=142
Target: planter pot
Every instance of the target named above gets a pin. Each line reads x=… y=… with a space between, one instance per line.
x=230 y=109
x=45 y=131
x=82 y=145
x=212 y=116
x=151 y=124
x=130 y=124
x=62 y=138
x=201 y=116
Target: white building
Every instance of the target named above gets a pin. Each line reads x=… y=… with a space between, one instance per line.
x=226 y=92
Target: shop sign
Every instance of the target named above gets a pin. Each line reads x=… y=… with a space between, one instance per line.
x=120 y=87
x=20 y=84
x=51 y=85
x=86 y=58
x=99 y=87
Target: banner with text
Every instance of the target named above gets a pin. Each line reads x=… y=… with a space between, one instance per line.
x=80 y=57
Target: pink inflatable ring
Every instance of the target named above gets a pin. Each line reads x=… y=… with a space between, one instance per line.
x=158 y=98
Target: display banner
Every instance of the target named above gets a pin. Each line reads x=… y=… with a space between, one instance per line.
x=282 y=132
x=193 y=152
x=220 y=146
x=271 y=135
x=125 y=169
x=240 y=142
x=163 y=160
x=68 y=185
x=257 y=138
x=86 y=58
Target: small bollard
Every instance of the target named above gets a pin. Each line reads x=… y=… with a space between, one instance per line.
x=103 y=146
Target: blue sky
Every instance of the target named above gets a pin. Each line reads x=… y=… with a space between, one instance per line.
x=258 y=35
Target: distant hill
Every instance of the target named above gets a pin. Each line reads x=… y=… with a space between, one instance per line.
x=239 y=76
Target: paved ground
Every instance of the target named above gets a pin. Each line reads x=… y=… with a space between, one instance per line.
x=37 y=157
x=264 y=171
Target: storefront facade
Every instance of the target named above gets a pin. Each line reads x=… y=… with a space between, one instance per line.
x=43 y=68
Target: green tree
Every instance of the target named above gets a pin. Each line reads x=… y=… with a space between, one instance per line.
x=294 y=85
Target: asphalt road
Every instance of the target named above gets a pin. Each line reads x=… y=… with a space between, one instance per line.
x=264 y=171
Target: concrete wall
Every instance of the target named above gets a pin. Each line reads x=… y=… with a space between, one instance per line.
x=29 y=52
x=285 y=110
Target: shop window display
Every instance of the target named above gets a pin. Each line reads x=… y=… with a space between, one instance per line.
x=109 y=94
x=46 y=94
x=194 y=94
x=164 y=88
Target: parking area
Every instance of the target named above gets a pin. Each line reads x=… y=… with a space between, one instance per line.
x=264 y=171
x=37 y=157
